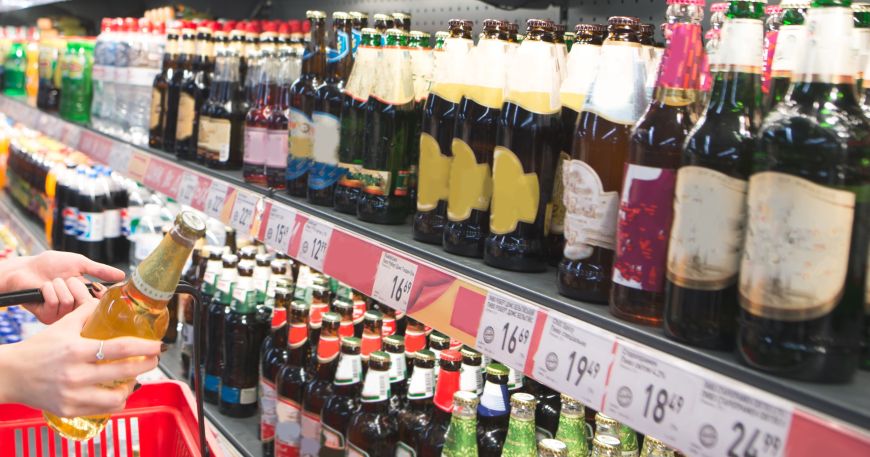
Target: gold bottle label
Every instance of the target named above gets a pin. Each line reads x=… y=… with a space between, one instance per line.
x=186 y=114
x=214 y=137
x=470 y=183
x=797 y=247
x=434 y=174
x=515 y=193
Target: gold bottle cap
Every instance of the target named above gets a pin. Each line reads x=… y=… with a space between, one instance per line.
x=358 y=15
x=382 y=17
x=572 y=407
x=351 y=342
x=368 y=31
x=442 y=34
x=399 y=16
x=797 y=4
x=315 y=14
x=606 y=421
x=190 y=226
x=340 y=15
x=497 y=369
x=465 y=404
x=439 y=339
x=419 y=34
x=861 y=7
x=470 y=355
x=522 y=400
x=606 y=445
x=549 y=447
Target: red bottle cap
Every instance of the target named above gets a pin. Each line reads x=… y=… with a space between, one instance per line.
x=451 y=355
x=283 y=28
x=131 y=24
x=229 y=26
x=270 y=27
x=772 y=9
x=106 y=24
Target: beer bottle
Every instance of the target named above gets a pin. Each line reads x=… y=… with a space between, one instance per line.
x=549 y=447
x=251 y=58
x=273 y=357
x=345 y=310
x=329 y=100
x=471 y=372
x=861 y=40
x=516 y=381
x=264 y=103
x=194 y=91
x=390 y=120
x=320 y=387
x=461 y=439
x=136 y=307
x=430 y=439
x=605 y=446
x=547 y=410
x=772 y=23
x=278 y=277
x=809 y=168
x=318 y=305
x=417 y=412
x=439 y=116
x=789 y=51
x=561 y=49
x=389 y=320
x=374 y=430
x=382 y=23
x=290 y=383
x=218 y=309
x=628 y=441
x=493 y=411
x=415 y=336
x=646 y=200
x=606 y=425
x=655 y=448
x=473 y=140
x=438 y=342
x=572 y=427
x=184 y=62
x=359 y=21
x=711 y=47
x=344 y=404
x=372 y=334
x=239 y=380
x=520 y=440
x=524 y=159
x=194 y=276
x=394 y=345
x=709 y=202
x=353 y=132
x=284 y=67
x=302 y=101
x=221 y=119
x=160 y=87
x=422 y=65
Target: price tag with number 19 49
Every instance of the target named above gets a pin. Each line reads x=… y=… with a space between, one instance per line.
x=505 y=331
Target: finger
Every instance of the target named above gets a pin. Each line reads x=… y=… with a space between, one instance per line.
x=121 y=348
x=127 y=370
x=98 y=289
x=49 y=301
x=65 y=298
x=100 y=400
x=78 y=290
x=100 y=271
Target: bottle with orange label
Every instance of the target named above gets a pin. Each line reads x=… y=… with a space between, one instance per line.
x=320 y=386
x=290 y=383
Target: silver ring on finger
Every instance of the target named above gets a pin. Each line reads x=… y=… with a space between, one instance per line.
x=100 y=355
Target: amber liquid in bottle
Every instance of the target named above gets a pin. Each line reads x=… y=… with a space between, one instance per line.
x=292 y=378
x=159 y=90
x=182 y=71
x=340 y=408
x=194 y=92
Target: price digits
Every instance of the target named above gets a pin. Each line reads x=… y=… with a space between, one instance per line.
x=318 y=248
x=660 y=400
x=746 y=443
x=400 y=287
x=511 y=334
x=583 y=367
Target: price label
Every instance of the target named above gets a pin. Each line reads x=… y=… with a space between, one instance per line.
x=187 y=189
x=393 y=281
x=315 y=243
x=505 y=331
x=574 y=357
x=737 y=421
x=119 y=158
x=279 y=227
x=71 y=134
x=645 y=389
x=244 y=208
x=215 y=199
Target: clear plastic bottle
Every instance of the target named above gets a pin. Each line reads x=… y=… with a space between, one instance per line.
x=125 y=53
x=132 y=214
x=145 y=53
x=148 y=234
x=102 y=110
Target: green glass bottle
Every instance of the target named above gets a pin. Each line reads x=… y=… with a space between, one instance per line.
x=789 y=50
x=605 y=446
x=461 y=440
x=572 y=427
x=652 y=447
x=521 y=441
x=549 y=447
x=861 y=40
x=628 y=441
x=13 y=76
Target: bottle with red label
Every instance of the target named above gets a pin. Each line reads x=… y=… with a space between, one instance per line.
x=646 y=201
x=345 y=310
x=273 y=356
x=771 y=36
x=290 y=383
x=430 y=439
x=257 y=121
x=344 y=404
x=372 y=335
x=317 y=308
x=389 y=320
x=320 y=386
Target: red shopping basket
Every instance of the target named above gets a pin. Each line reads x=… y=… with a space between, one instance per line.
x=158 y=421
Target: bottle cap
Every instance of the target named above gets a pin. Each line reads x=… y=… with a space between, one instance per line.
x=549 y=447
x=382 y=17
x=601 y=419
x=351 y=342
x=492 y=23
x=537 y=23
x=331 y=318
x=691 y=2
x=775 y=9
x=340 y=15
x=315 y=14
x=381 y=358
x=465 y=403
x=449 y=355
x=470 y=356
x=395 y=32
x=394 y=343
x=523 y=400
x=624 y=20
x=605 y=445
x=424 y=355
x=419 y=34
x=191 y=226
x=497 y=369
x=357 y=15
x=373 y=315
x=368 y=31
x=590 y=28
x=439 y=339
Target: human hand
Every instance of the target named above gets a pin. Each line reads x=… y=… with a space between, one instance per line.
x=55 y=274
x=57 y=369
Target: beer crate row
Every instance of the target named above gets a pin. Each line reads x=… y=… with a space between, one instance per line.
x=701 y=402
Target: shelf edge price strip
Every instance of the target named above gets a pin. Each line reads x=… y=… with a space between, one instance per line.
x=574 y=358
x=394 y=281
x=314 y=244
x=244 y=210
x=280 y=226
x=506 y=328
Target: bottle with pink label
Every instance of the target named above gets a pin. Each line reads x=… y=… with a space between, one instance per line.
x=646 y=201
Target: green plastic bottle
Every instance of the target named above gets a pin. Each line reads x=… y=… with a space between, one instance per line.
x=76 y=84
x=572 y=427
x=461 y=440
x=14 y=68
x=521 y=439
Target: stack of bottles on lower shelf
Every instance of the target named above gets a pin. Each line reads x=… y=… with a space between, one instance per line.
x=332 y=371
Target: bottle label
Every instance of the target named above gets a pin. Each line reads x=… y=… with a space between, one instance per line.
x=684 y=48
x=130 y=217
x=422 y=67
x=350 y=175
x=362 y=75
x=520 y=440
x=398 y=370
x=618 y=93
x=414 y=341
x=434 y=174
x=797 y=247
x=557 y=219
x=494 y=401
x=186 y=115
x=354 y=451
x=789 y=43
x=255 y=145
x=331 y=438
x=342 y=41
x=214 y=137
x=516 y=194
x=370 y=343
x=471 y=378
x=247 y=396
x=349 y=370
x=393 y=84
x=70 y=221
x=707 y=234
x=112 y=223
x=187 y=339
x=389 y=327
x=276 y=148
x=376 y=182
x=91 y=226
x=309 y=443
x=288 y=430
x=470 y=183
x=582 y=65
x=422 y=384
x=830 y=57
x=328 y=348
x=376 y=387
x=404 y=450
x=325 y=172
x=591 y=212
x=323 y=175
x=770 y=39
x=268 y=413
x=741 y=45
x=359 y=311
x=301 y=134
x=646 y=210
x=212 y=383
x=156 y=109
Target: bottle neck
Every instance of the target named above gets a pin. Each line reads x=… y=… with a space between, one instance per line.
x=494 y=401
x=735 y=92
x=153 y=282
x=314 y=58
x=829 y=56
x=448 y=384
x=679 y=75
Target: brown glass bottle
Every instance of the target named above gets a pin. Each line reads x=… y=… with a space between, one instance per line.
x=216 y=323
x=344 y=404
x=278 y=122
x=273 y=356
x=394 y=345
x=320 y=386
x=193 y=276
x=430 y=438
x=439 y=117
x=290 y=382
x=372 y=337
x=183 y=66
x=222 y=117
x=418 y=408
x=438 y=343
x=646 y=200
x=241 y=347
x=548 y=408
x=524 y=159
x=302 y=101
x=470 y=178
x=374 y=430
x=194 y=91
x=345 y=310
x=325 y=171
x=594 y=174
x=159 y=90
x=493 y=412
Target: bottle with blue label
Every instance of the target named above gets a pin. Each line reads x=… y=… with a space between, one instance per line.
x=493 y=411
x=358 y=21
x=241 y=347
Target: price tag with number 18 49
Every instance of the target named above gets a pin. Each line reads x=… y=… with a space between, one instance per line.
x=505 y=331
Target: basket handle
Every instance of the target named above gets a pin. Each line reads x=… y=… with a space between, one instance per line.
x=185 y=288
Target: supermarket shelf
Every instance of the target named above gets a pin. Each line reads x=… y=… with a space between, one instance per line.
x=471 y=302
x=23 y=224
x=241 y=433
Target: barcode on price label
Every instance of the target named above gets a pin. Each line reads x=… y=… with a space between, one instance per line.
x=315 y=243
x=574 y=358
x=394 y=281
x=244 y=208
x=505 y=331
x=217 y=195
x=279 y=228
x=737 y=421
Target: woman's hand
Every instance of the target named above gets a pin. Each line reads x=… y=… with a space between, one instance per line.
x=56 y=370
x=55 y=274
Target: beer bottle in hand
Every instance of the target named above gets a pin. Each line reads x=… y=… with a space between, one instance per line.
x=430 y=439
x=374 y=430
x=344 y=404
x=290 y=383
x=418 y=406
x=461 y=439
